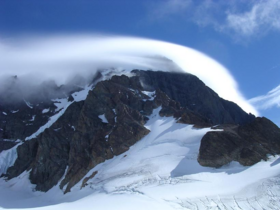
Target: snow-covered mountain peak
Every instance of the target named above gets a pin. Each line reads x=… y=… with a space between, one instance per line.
x=134 y=140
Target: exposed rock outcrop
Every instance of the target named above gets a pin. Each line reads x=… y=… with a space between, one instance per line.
x=193 y=94
x=19 y=120
x=247 y=144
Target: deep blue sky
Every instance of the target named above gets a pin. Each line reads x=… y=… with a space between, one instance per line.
x=242 y=35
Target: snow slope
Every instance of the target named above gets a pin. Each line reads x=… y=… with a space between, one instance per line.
x=159 y=172
x=8 y=158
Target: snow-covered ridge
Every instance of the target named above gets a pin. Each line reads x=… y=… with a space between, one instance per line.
x=62 y=104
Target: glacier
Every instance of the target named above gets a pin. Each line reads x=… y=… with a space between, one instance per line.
x=159 y=172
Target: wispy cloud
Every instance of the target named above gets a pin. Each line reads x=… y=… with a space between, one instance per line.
x=262 y=17
x=271 y=99
x=168 y=8
x=250 y=18
x=59 y=57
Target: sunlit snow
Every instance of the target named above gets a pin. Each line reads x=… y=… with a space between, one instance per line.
x=158 y=172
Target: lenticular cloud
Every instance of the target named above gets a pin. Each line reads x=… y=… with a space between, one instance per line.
x=60 y=57
x=272 y=98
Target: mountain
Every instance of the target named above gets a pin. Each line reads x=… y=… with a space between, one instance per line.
x=123 y=128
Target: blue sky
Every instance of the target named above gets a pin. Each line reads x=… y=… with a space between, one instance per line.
x=242 y=35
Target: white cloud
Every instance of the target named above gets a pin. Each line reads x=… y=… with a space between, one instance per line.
x=168 y=8
x=244 y=18
x=263 y=16
x=60 y=57
x=271 y=99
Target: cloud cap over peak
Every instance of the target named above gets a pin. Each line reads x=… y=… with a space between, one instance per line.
x=59 y=57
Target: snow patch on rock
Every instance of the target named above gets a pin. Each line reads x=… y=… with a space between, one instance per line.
x=103 y=118
x=8 y=158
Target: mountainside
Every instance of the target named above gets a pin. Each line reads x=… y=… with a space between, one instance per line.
x=71 y=138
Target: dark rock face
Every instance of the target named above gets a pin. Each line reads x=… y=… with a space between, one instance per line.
x=26 y=154
x=88 y=178
x=112 y=119
x=193 y=94
x=95 y=141
x=5 y=145
x=247 y=144
x=20 y=121
x=53 y=149
x=21 y=106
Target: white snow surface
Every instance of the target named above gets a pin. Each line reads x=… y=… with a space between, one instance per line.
x=8 y=158
x=103 y=118
x=45 y=111
x=151 y=94
x=159 y=172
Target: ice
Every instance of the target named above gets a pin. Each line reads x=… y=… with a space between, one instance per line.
x=4 y=113
x=15 y=111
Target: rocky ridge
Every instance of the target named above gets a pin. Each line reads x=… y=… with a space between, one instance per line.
x=246 y=144
x=23 y=112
